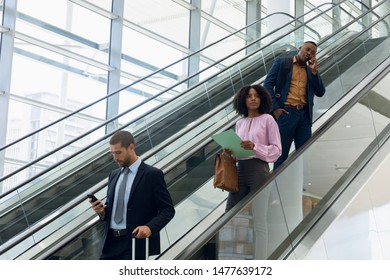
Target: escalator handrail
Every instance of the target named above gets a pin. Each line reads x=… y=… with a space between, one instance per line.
x=80 y=199
x=380 y=72
x=293 y=156
x=336 y=49
x=134 y=83
x=183 y=132
x=164 y=68
x=126 y=112
x=156 y=72
x=368 y=8
x=344 y=44
x=99 y=140
x=58 y=163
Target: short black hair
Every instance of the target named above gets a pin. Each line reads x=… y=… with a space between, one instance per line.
x=310 y=42
x=239 y=100
x=123 y=137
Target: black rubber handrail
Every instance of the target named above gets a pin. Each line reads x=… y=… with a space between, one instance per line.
x=136 y=82
x=123 y=113
x=98 y=141
x=347 y=44
x=214 y=229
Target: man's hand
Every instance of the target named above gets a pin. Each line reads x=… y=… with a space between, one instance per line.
x=142 y=232
x=278 y=112
x=313 y=65
x=98 y=206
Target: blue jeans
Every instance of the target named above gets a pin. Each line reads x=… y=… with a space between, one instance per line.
x=294 y=126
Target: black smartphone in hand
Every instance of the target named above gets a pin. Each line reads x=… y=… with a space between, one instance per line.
x=92 y=197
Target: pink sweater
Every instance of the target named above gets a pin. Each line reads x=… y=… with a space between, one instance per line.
x=264 y=132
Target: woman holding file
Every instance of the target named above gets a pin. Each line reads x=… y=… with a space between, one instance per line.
x=258 y=132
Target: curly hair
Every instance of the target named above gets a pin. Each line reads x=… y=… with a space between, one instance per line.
x=239 y=101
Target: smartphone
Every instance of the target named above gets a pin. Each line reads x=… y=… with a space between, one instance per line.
x=92 y=197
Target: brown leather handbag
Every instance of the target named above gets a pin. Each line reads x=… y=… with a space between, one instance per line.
x=225 y=176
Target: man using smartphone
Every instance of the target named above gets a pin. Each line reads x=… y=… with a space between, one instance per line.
x=138 y=203
x=293 y=85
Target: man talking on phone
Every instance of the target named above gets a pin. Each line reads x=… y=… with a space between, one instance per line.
x=293 y=84
x=138 y=203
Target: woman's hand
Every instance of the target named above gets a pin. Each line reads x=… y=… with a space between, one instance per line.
x=247 y=145
x=228 y=152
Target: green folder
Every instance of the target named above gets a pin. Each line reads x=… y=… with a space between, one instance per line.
x=230 y=140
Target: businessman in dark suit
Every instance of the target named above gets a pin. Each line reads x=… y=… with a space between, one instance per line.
x=147 y=204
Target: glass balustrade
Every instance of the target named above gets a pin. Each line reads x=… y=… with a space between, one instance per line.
x=182 y=114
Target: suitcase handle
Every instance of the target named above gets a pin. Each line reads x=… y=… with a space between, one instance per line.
x=133 y=248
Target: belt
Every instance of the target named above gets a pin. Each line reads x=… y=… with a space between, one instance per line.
x=119 y=232
x=296 y=107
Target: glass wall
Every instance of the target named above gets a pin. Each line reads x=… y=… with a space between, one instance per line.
x=62 y=61
x=1 y=11
x=64 y=57
x=72 y=53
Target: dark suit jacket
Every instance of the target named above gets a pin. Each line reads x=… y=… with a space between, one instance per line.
x=278 y=87
x=150 y=204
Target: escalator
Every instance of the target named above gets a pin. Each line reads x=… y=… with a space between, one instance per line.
x=33 y=200
x=196 y=167
x=45 y=194
x=363 y=152
x=205 y=201
x=285 y=223
x=45 y=201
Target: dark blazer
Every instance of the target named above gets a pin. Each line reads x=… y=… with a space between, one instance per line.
x=150 y=204
x=278 y=86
